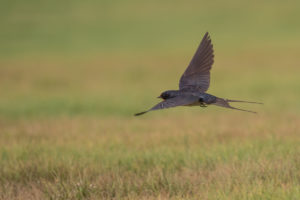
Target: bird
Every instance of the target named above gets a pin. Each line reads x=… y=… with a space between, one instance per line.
x=194 y=83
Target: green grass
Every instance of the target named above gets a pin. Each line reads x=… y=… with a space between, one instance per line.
x=72 y=74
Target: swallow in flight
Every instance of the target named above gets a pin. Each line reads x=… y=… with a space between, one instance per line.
x=194 y=83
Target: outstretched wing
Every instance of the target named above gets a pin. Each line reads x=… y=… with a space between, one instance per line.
x=197 y=74
x=173 y=102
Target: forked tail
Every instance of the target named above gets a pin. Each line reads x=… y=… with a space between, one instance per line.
x=230 y=100
x=225 y=103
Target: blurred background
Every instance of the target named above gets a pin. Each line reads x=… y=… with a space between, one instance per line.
x=73 y=73
x=100 y=57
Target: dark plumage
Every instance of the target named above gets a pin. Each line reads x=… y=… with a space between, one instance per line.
x=194 y=83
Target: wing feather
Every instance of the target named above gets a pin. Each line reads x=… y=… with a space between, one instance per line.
x=197 y=74
x=173 y=102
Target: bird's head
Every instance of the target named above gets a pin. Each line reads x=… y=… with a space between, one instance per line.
x=168 y=94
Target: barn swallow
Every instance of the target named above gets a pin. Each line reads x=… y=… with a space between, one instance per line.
x=194 y=83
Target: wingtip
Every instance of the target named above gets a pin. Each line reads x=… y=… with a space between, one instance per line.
x=138 y=114
x=206 y=36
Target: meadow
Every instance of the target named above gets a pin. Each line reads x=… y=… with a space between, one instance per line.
x=73 y=73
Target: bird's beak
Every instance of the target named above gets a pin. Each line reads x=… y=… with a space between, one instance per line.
x=159 y=97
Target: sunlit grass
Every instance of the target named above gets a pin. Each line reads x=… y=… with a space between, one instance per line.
x=118 y=158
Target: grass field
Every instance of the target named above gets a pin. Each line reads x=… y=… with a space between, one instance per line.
x=73 y=73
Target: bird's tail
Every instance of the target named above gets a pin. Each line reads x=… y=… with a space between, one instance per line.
x=230 y=100
x=225 y=103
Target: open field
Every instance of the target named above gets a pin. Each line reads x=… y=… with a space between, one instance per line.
x=73 y=73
